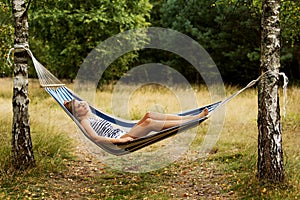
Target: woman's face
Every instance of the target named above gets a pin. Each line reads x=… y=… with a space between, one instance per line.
x=81 y=108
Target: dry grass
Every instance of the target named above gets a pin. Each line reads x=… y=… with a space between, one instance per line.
x=48 y=126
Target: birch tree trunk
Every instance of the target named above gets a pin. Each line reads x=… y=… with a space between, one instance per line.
x=21 y=141
x=270 y=153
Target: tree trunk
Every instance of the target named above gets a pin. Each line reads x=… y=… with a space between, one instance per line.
x=21 y=141
x=270 y=153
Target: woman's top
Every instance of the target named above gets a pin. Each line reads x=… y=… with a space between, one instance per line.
x=105 y=129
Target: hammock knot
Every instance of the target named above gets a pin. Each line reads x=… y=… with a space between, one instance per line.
x=285 y=83
x=16 y=48
x=277 y=75
x=24 y=46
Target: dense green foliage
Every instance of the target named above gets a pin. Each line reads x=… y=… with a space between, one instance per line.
x=66 y=31
x=62 y=33
x=6 y=37
x=230 y=31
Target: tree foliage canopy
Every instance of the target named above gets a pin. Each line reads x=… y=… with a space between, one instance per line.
x=230 y=31
x=64 y=32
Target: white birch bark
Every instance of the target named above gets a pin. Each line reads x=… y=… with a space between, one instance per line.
x=270 y=153
x=21 y=141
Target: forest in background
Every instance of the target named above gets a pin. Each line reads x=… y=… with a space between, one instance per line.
x=63 y=32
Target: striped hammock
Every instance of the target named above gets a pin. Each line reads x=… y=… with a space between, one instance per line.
x=60 y=93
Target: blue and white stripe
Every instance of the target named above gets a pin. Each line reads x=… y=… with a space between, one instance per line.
x=105 y=129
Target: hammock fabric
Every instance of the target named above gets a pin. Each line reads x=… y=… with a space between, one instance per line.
x=60 y=93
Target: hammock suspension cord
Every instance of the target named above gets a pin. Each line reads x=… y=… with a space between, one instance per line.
x=47 y=79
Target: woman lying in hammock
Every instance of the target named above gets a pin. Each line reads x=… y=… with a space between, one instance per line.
x=101 y=130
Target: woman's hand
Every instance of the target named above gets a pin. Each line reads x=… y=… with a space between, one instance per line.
x=122 y=140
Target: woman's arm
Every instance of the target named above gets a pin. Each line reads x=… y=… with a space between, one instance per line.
x=100 y=139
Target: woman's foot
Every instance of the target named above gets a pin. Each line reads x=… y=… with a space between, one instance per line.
x=203 y=113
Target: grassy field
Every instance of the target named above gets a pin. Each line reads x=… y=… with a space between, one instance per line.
x=65 y=170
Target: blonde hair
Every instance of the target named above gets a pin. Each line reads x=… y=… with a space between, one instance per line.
x=70 y=106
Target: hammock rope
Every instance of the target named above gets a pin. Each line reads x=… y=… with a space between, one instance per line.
x=253 y=82
x=60 y=92
x=46 y=78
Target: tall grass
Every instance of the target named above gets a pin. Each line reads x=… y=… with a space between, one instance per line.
x=51 y=142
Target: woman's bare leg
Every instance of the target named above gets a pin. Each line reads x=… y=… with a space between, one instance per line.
x=145 y=126
x=166 y=117
x=149 y=125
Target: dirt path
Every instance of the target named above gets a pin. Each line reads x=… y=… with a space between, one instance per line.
x=88 y=178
